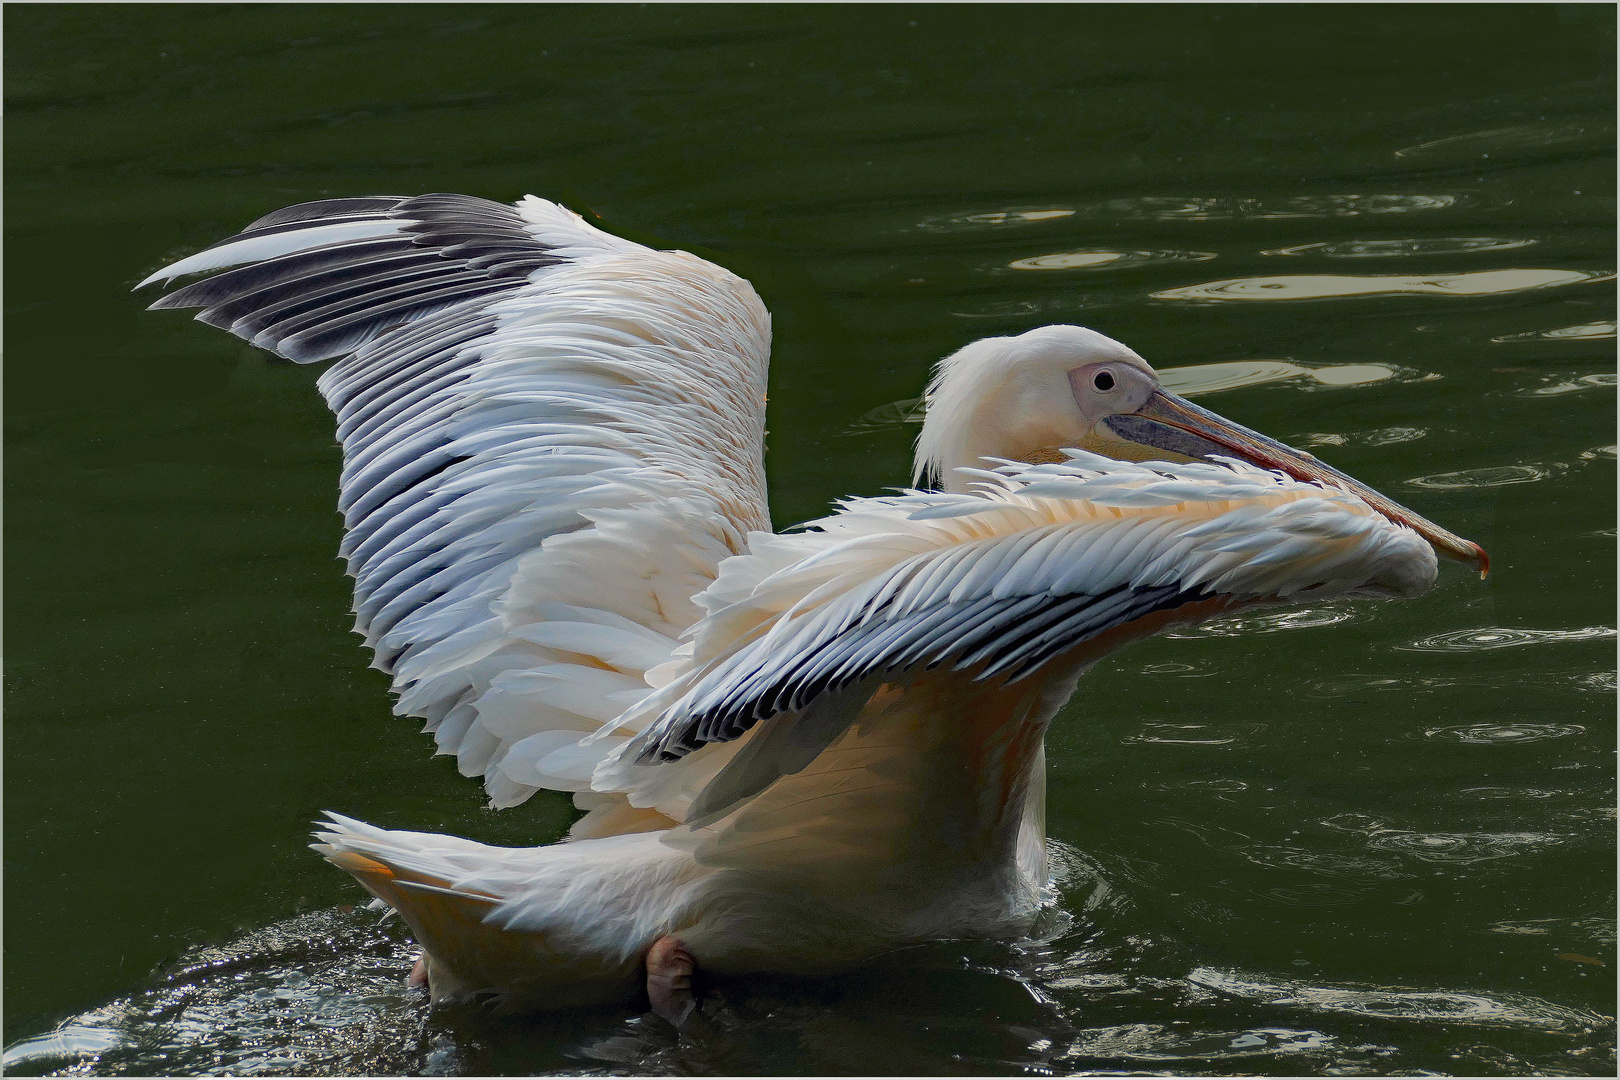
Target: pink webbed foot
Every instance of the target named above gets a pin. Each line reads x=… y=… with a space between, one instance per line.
x=669 y=980
x=419 y=973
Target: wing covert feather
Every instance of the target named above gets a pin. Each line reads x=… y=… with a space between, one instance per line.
x=985 y=586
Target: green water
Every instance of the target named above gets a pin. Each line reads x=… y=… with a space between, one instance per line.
x=1360 y=838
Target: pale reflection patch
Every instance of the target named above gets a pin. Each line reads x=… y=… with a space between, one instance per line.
x=1100 y=259
x=1497 y=637
x=1492 y=734
x=1377 y=437
x=1352 y=374
x=1518 y=137
x=1205 y=208
x=1345 y=286
x=1211 y=378
x=1496 y=476
x=1195 y=734
x=1358 y=685
x=1592 y=331
x=1400 y=1003
x=1228 y=208
x=1276 y=622
x=1383 y=249
x=1556 y=385
x=1462 y=847
x=1156 y=1042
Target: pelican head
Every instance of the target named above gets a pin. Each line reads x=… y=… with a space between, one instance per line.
x=1027 y=398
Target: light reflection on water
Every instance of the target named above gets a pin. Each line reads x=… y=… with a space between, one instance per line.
x=1196 y=734
x=1100 y=259
x=1272 y=623
x=1399 y=1003
x=1383 y=249
x=1497 y=637
x=1345 y=686
x=1344 y=286
x=1592 y=331
x=1210 y=208
x=1493 y=476
x=1461 y=847
x=1517 y=138
x=1377 y=437
x=324 y=994
x=1493 y=734
x=1556 y=385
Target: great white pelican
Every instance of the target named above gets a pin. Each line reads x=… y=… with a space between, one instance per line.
x=794 y=751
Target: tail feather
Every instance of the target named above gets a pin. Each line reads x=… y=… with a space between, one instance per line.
x=470 y=950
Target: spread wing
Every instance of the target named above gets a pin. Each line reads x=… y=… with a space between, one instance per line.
x=990 y=586
x=551 y=438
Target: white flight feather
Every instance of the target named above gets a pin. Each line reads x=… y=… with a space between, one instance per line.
x=258 y=248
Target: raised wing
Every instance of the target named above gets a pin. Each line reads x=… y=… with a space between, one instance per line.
x=806 y=627
x=551 y=438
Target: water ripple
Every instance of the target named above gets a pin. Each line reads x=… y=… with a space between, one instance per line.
x=1180 y=671
x=1377 y=437
x=1490 y=734
x=997 y=218
x=1347 y=685
x=1223 y=208
x=1156 y=1042
x=1311 y=896
x=1195 y=734
x=1204 y=208
x=913 y=410
x=1494 y=476
x=1601 y=681
x=1331 y=864
x=1224 y=787
x=1498 y=637
x=1512 y=793
x=1345 y=286
x=70 y=1042
x=1239 y=625
x=1553 y=385
x=1592 y=331
x=321 y=993
x=1461 y=847
x=1211 y=378
x=1401 y=1003
x=1101 y=259
x=1515 y=139
x=1371 y=249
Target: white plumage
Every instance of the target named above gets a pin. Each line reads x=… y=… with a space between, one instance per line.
x=794 y=751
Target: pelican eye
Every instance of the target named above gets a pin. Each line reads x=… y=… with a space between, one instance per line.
x=1103 y=380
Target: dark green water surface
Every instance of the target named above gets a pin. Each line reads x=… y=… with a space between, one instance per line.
x=1355 y=839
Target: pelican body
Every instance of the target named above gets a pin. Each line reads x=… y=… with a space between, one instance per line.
x=793 y=752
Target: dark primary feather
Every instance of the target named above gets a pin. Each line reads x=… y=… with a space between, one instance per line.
x=1010 y=636
x=407 y=313
x=328 y=208
x=325 y=301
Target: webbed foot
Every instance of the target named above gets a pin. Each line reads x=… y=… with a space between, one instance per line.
x=669 y=981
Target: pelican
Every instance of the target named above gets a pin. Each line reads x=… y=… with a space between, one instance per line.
x=793 y=751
